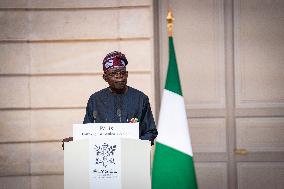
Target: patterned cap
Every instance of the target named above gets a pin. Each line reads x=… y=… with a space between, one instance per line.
x=114 y=59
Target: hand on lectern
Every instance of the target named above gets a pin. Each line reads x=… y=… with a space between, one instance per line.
x=66 y=140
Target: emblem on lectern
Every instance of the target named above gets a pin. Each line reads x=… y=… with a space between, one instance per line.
x=105 y=160
x=105 y=154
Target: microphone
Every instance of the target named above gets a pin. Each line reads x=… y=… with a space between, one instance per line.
x=95 y=115
x=118 y=112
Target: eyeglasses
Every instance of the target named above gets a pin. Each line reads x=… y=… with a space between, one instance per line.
x=116 y=73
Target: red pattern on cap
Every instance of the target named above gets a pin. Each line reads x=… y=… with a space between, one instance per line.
x=114 y=59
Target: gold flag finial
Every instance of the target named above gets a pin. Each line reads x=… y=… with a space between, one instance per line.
x=170 y=20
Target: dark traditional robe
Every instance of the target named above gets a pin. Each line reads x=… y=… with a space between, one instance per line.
x=105 y=106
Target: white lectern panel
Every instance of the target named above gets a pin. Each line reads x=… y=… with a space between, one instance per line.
x=136 y=165
x=107 y=163
x=76 y=165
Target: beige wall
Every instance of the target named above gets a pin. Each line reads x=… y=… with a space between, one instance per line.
x=50 y=63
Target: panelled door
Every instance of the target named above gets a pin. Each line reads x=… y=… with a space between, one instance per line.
x=230 y=55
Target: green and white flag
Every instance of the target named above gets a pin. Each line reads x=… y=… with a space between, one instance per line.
x=173 y=161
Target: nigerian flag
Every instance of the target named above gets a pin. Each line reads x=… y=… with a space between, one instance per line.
x=173 y=162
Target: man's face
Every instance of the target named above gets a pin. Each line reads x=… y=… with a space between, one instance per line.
x=116 y=78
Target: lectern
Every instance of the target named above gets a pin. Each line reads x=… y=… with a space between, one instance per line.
x=104 y=161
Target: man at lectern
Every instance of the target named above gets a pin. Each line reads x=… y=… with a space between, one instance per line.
x=120 y=103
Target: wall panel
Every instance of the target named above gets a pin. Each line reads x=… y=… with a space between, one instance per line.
x=14 y=25
x=135 y=2
x=261 y=175
x=259 y=53
x=14 y=58
x=14 y=92
x=68 y=24
x=50 y=124
x=13 y=4
x=211 y=175
x=14 y=159
x=16 y=182
x=200 y=55
x=71 y=3
x=50 y=58
x=208 y=135
x=260 y=134
x=64 y=91
x=47 y=181
x=135 y=23
x=46 y=158
x=15 y=125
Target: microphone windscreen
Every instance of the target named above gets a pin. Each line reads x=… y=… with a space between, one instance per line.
x=118 y=112
x=95 y=114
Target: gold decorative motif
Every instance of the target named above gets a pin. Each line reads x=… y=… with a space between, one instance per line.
x=170 y=25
